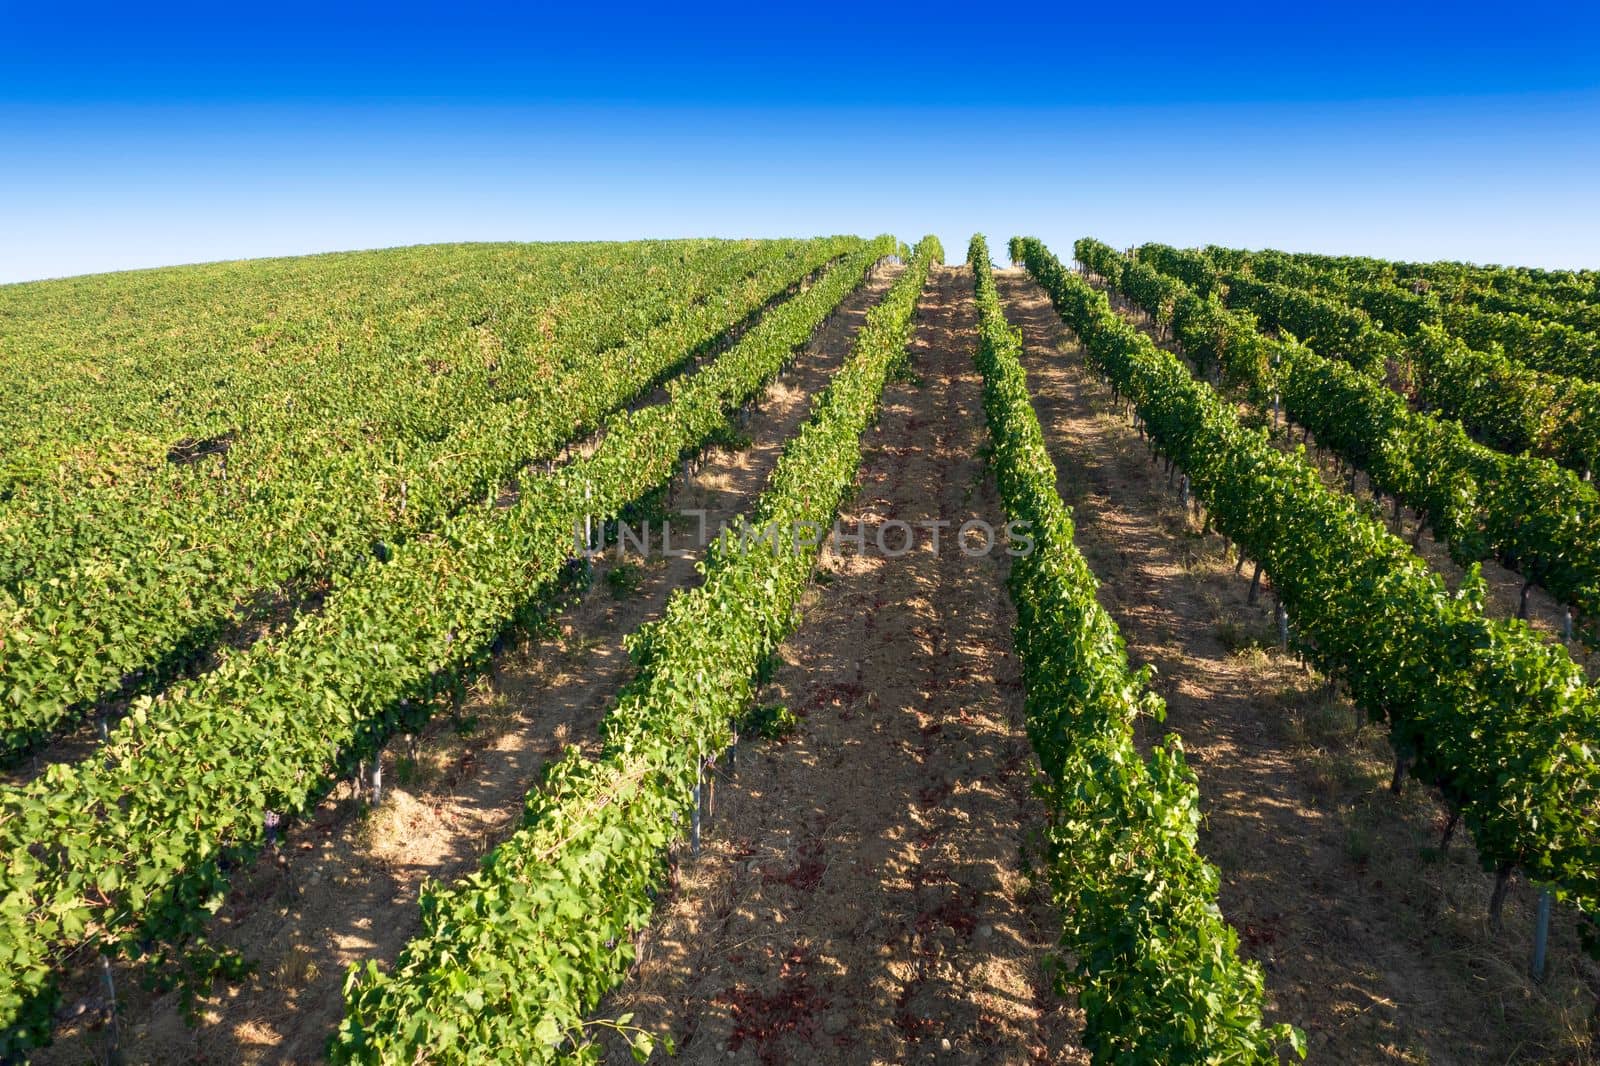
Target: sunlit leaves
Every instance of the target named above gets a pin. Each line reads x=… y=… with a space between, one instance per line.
x=511 y=960
x=1154 y=966
x=1500 y=720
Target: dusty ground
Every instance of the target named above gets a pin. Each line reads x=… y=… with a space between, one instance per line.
x=863 y=894
x=272 y=614
x=343 y=888
x=1373 y=943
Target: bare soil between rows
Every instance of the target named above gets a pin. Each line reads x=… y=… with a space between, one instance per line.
x=864 y=894
x=343 y=886
x=1544 y=613
x=1372 y=941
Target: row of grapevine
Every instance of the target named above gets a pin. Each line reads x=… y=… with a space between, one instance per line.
x=1503 y=403
x=1154 y=965
x=1530 y=514
x=1553 y=347
x=1534 y=352
x=278 y=449
x=102 y=375
x=1537 y=343
x=1157 y=273
x=1502 y=722
x=129 y=850
x=1565 y=309
x=1556 y=296
x=510 y=962
x=158 y=588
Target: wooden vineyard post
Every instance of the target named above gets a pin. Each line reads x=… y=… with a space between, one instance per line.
x=1541 y=937
x=694 y=825
x=114 y=1053
x=1497 y=899
x=1401 y=765
x=1449 y=830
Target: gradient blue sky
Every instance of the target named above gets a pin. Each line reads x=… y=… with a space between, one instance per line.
x=134 y=136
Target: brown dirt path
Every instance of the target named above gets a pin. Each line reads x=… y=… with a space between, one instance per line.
x=862 y=896
x=344 y=887
x=1373 y=944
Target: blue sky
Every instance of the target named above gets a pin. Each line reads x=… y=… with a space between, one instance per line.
x=132 y=137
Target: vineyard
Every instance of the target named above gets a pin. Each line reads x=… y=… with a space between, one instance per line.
x=794 y=651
